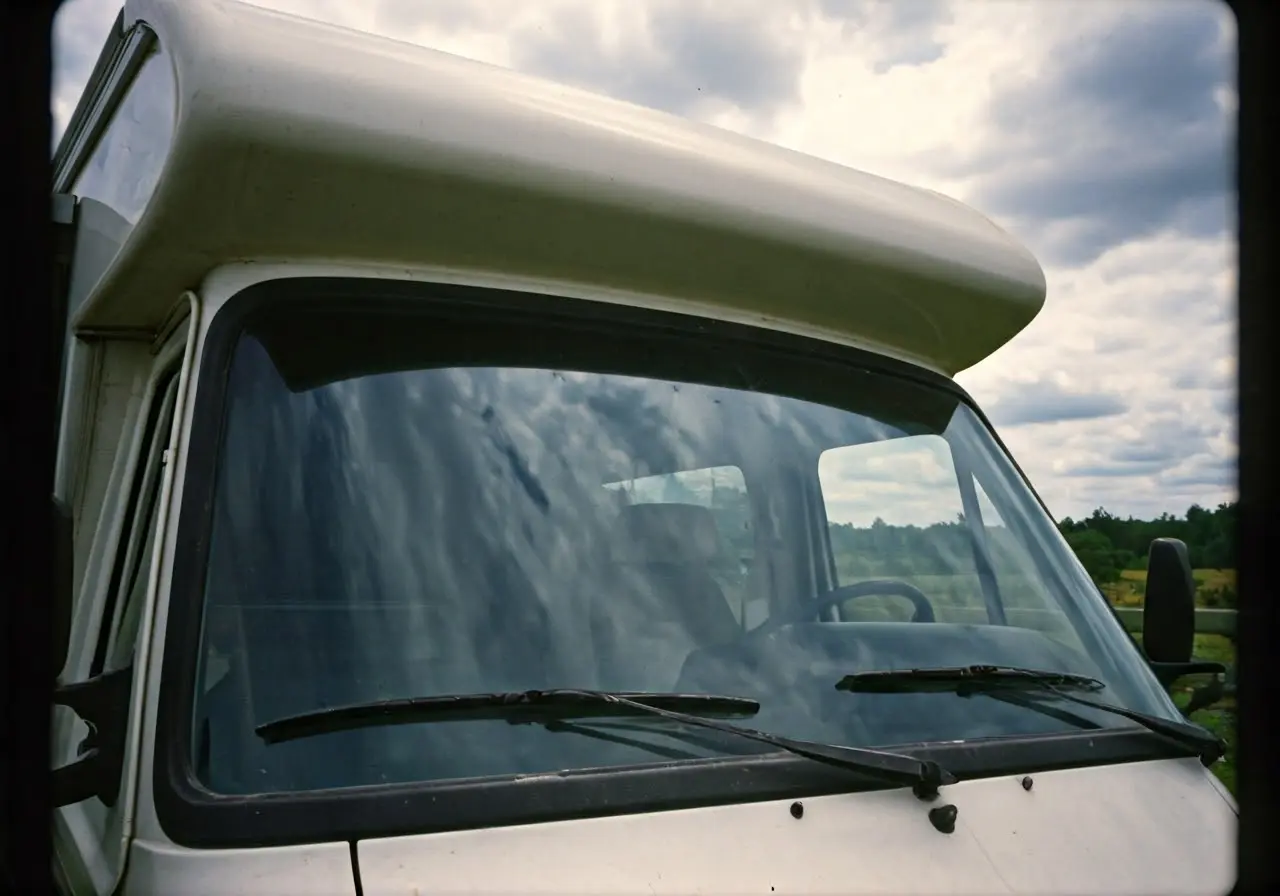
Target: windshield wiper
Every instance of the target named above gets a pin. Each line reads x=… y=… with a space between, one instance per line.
x=958 y=679
x=1023 y=687
x=518 y=707
x=510 y=706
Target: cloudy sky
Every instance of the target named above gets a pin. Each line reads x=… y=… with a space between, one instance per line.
x=1097 y=132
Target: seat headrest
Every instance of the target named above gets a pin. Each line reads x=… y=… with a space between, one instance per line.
x=665 y=533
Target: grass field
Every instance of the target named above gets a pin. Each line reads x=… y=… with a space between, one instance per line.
x=1210 y=585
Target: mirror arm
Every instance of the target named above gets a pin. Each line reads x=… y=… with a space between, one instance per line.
x=1202 y=697
x=1168 y=673
x=63 y=573
x=79 y=781
x=102 y=703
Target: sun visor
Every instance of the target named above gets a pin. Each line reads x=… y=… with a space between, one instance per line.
x=329 y=342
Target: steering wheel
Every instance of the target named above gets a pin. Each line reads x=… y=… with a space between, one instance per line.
x=871 y=587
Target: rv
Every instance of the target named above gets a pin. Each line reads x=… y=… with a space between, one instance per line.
x=468 y=483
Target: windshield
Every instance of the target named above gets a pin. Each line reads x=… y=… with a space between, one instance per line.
x=408 y=506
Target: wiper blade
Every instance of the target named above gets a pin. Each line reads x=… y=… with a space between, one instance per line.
x=1023 y=687
x=517 y=707
x=959 y=679
x=510 y=706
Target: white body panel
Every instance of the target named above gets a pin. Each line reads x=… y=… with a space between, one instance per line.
x=91 y=840
x=1153 y=827
x=1156 y=827
x=161 y=869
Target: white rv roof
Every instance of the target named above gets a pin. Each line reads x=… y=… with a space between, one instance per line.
x=300 y=140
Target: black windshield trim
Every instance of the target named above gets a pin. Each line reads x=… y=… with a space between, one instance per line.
x=192 y=816
x=208 y=821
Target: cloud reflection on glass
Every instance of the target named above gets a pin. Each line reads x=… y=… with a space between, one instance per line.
x=464 y=529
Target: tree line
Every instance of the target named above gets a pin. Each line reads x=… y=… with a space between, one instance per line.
x=1107 y=544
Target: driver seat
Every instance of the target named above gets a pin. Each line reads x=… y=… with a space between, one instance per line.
x=664 y=601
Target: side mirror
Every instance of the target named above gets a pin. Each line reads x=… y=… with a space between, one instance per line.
x=63 y=583
x=1169 y=613
x=1169 y=609
x=103 y=704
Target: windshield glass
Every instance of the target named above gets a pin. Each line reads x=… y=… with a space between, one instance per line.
x=408 y=506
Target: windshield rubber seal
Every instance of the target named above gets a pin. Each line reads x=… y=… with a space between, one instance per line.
x=192 y=816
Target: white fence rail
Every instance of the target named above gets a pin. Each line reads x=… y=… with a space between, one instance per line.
x=1208 y=622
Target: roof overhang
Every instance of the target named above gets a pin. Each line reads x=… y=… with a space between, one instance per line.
x=302 y=141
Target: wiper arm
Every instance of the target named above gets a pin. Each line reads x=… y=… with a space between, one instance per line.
x=924 y=776
x=609 y=732
x=1023 y=687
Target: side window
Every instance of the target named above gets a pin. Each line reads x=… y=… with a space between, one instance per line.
x=119 y=631
x=1026 y=605
x=723 y=491
x=894 y=511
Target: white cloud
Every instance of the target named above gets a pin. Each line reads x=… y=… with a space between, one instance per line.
x=1093 y=131
x=909 y=481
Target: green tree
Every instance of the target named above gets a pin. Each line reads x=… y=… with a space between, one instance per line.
x=1097 y=554
x=1208 y=534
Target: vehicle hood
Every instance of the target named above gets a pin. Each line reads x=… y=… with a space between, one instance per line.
x=1136 y=828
